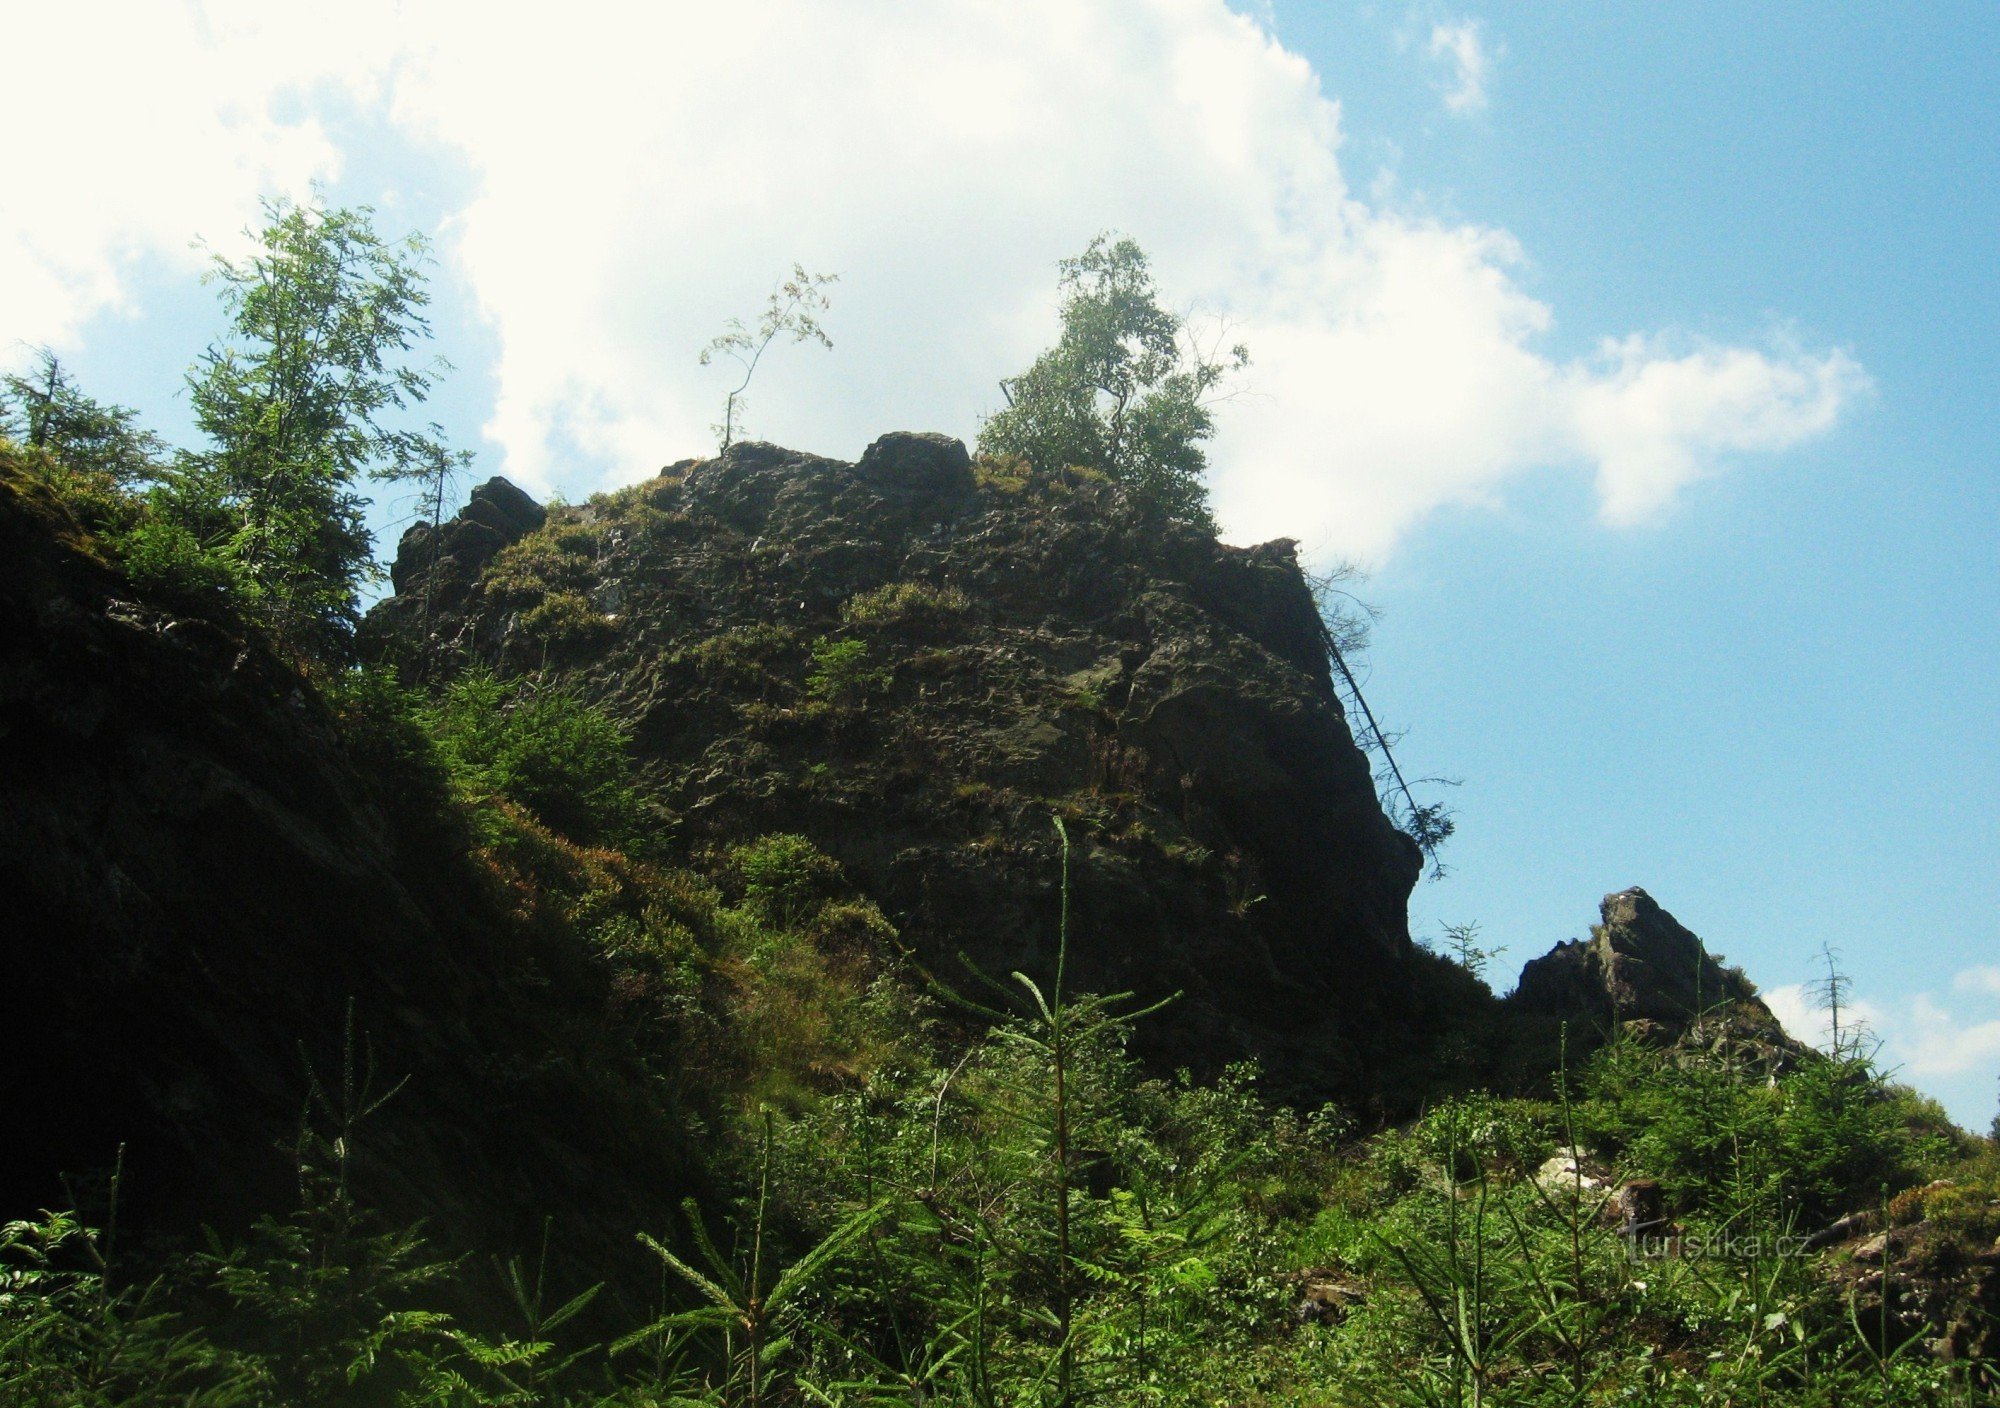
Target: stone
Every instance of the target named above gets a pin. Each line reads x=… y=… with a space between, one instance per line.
x=1326 y=1297
x=505 y=506
x=922 y=469
x=1641 y=1208
x=1562 y=1174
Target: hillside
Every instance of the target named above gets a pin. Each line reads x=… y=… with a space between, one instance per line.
x=916 y=661
x=212 y=877
x=608 y=997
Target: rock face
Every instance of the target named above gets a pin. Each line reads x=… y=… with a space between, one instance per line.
x=202 y=884
x=497 y=514
x=1642 y=970
x=918 y=661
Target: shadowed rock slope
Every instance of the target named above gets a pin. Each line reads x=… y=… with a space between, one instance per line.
x=916 y=661
x=202 y=879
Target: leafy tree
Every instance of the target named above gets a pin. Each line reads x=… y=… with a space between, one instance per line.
x=1126 y=389
x=50 y=412
x=792 y=308
x=294 y=404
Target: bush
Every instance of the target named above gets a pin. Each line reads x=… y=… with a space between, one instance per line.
x=1820 y=1140
x=544 y=749
x=742 y=657
x=550 y=574
x=841 y=675
x=784 y=877
x=566 y=620
x=900 y=603
x=163 y=556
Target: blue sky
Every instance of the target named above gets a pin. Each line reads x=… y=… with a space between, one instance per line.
x=1644 y=354
x=1775 y=706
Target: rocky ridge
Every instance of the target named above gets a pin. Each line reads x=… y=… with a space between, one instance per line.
x=916 y=660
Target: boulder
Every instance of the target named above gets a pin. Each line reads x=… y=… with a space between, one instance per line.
x=926 y=471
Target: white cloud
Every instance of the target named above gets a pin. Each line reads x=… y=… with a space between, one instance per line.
x=1982 y=979
x=1952 y=1050
x=641 y=173
x=1463 y=47
x=1935 y=1041
x=138 y=126
x=1798 y=1010
x=1653 y=422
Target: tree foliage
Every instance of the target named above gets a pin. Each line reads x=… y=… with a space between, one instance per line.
x=48 y=411
x=1126 y=389
x=298 y=405
x=793 y=308
x=543 y=749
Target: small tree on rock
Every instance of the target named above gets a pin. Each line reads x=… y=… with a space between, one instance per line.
x=792 y=308
x=47 y=409
x=1126 y=389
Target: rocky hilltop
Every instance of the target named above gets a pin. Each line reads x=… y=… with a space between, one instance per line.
x=917 y=661
x=627 y=893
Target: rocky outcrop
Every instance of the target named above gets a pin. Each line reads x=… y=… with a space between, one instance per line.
x=1640 y=971
x=1932 y=1274
x=1020 y=646
x=434 y=568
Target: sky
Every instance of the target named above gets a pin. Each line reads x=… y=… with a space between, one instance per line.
x=1643 y=356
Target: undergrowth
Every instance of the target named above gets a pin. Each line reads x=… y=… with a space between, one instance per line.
x=1024 y=1217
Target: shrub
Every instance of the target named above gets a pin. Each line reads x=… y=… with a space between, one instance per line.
x=386 y=732
x=784 y=877
x=900 y=603
x=544 y=749
x=163 y=556
x=742 y=657
x=566 y=620
x=1820 y=1140
x=550 y=574
x=841 y=674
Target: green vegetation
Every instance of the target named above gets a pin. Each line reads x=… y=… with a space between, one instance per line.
x=1127 y=389
x=549 y=575
x=295 y=405
x=45 y=410
x=540 y=748
x=1025 y=1218
x=905 y=603
x=794 y=308
x=974 y=1198
x=842 y=674
x=980 y=1199
x=301 y=403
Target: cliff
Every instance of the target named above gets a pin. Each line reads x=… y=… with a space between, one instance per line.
x=206 y=877
x=916 y=661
